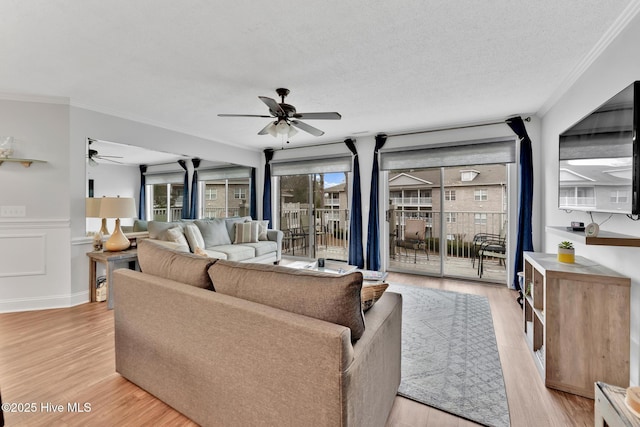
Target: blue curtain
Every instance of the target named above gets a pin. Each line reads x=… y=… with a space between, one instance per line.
x=195 y=194
x=355 y=230
x=373 y=228
x=525 y=196
x=142 y=211
x=185 y=192
x=253 y=197
x=266 y=194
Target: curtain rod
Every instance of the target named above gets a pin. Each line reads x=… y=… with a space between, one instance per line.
x=527 y=119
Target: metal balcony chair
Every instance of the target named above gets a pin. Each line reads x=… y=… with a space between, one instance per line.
x=496 y=248
x=477 y=242
x=414 y=237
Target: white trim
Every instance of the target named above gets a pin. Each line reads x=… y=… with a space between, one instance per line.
x=37 y=268
x=619 y=25
x=43 y=302
x=34 y=223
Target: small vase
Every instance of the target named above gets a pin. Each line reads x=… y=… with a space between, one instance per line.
x=567 y=255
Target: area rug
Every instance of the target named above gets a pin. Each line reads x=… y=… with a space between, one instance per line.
x=450 y=358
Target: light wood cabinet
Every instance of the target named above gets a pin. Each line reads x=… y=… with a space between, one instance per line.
x=576 y=322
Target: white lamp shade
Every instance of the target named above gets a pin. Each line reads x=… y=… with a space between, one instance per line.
x=118 y=207
x=272 y=130
x=282 y=127
x=92 y=207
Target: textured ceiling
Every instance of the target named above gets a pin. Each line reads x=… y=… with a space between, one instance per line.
x=385 y=66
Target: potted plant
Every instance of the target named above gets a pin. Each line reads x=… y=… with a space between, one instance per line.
x=566 y=252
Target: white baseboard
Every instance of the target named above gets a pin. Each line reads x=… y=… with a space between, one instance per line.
x=43 y=302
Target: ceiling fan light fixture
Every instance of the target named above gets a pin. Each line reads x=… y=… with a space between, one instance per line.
x=283 y=127
x=292 y=131
x=271 y=130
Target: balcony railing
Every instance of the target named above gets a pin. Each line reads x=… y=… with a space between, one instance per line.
x=160 y=214
x=332 y=239
x=412 y=201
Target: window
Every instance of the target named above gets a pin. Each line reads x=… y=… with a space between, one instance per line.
x=239 y=193
x=468 y=175
x=481 y=195
x=450 y=195
x=451 y=217
x=618 y=196
x=210 y=193
x=167 y=201
x=480 y=218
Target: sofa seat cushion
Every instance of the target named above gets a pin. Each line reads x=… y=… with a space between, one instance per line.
x=214 y=254
x=329 y=297
x=235 y=252
x=158 y=260
x=263 y=247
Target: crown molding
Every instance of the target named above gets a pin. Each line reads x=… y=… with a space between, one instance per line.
x=139 y=119
x=627 y=15
x=43 y=99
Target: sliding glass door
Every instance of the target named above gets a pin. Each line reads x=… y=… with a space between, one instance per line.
x=313 y=215
x=441 y=217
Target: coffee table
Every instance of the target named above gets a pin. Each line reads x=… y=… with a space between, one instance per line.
x=338 y=267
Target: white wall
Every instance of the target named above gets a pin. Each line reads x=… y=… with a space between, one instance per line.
x=615 y=68
x=43 y=261
x=34 y=250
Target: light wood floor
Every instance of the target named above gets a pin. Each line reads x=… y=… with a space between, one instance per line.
x=66 y=356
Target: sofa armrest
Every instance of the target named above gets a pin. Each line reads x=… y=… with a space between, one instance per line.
x=276 y=236
x=226 y=361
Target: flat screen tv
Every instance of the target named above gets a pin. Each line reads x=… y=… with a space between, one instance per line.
x=599 y=158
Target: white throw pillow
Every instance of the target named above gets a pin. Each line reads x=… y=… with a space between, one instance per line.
x=194 y=237
x=262 y=228
x=175 y=235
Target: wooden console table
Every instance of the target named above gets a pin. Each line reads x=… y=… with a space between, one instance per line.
x=576 y=321
x=111 y=261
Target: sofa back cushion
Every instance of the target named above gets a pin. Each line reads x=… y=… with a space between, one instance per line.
x=325 y=296
x=158 y=260
x=214 y=232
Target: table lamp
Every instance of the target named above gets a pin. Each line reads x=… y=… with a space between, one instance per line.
x=92 y=210
x=117 y=207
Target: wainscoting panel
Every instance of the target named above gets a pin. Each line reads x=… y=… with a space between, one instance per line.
x=35 y=258
x=22 y=255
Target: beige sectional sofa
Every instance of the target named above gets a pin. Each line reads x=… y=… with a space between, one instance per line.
x=271 y=346
x=219 y=238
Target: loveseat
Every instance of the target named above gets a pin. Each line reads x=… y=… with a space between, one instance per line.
x=245 y=344
x=235 y=239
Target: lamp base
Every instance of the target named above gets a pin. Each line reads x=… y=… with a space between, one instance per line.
x=118 y=241
x=104 y=230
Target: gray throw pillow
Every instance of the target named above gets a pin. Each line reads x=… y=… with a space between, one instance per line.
x=214 y=232
x=157 y=228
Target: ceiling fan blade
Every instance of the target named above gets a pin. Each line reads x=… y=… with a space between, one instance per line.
x=108 y=160
x=100 y=156
x=274 y=107
x=243 y=115
x=307 y=128
x=318 y=116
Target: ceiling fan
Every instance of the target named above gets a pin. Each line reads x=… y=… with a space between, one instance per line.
x=93 y=156
x=287 y=119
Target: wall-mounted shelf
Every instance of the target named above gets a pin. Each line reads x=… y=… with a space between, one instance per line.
x=24 y=162
x=605 y=238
